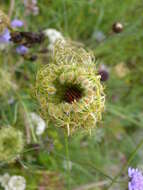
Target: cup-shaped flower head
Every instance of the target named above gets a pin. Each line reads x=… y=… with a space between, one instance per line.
x=11 y=143
x=4 y=22
x=69 y=89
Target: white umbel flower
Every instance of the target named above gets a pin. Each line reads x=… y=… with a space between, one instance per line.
x=12 y=182
x=38 y=123
x=17 y=183
x=4 y=180
x=53 y=35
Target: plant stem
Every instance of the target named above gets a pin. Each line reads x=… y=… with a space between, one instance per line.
x=67 y=160
x=127 y=164
x=11 y=9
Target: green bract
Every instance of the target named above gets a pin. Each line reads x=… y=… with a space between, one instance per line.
x=69 y=89
x=11 y=143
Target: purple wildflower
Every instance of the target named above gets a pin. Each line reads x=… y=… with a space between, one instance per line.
x=22 y=50
x=5 y=37
x=16 y=23
x=136 y=179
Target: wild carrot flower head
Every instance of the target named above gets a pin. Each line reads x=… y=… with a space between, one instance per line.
x=12 y=182
x=4 y=180
x=11 y=143
x=17 y=183
x=136 y=179
x=69 y=89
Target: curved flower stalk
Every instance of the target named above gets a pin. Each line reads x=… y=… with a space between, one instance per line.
x=4 y=22
x=69 y=89
x=11 y=144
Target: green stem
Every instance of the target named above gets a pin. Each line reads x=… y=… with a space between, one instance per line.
x=127 y=164
x=67 y=160
x=29 y=120
x=26 y=111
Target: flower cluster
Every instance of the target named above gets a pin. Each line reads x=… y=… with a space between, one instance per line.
x=5 y=36
x=11 y=144
x=23 y=40
x=136 y=179
x=69 y=89
x=12 y=182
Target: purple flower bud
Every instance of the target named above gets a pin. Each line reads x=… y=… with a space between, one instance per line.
x=136 y=179
x=16 y=23
x=5 y=37
x=104 y=73
x=22 y=50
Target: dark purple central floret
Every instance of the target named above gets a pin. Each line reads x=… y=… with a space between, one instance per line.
x=72 y=93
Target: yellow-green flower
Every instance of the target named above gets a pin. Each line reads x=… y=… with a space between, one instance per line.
x=69 y=89
x=11 y=143
x=4 y=22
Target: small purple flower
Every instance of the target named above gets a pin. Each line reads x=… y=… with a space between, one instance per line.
x=136 y=179
x=104 y=73
x=16 y=23
x=22 y=50
x=5 y=37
